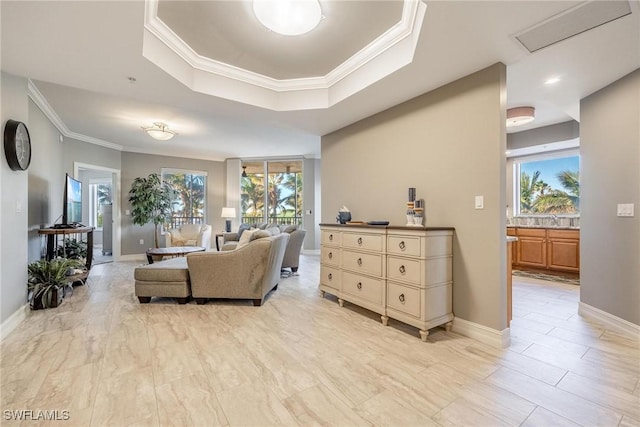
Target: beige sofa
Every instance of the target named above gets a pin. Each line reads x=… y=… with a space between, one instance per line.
x=294 y=246
x=247 y=272
x=189 y=235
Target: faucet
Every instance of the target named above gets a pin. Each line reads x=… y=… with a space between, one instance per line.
x=554 y=219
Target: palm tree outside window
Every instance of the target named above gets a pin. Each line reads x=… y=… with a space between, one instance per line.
x=190 y=187
x=272 y=192
x=549 y=186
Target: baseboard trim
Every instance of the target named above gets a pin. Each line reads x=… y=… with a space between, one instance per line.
x=311 y=251
x=13 y=321
x=484 y=334
x=608 y=320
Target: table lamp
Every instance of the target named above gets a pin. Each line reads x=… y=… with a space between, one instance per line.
x=228 y=213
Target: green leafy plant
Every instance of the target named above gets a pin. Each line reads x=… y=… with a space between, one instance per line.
x=72 y=249
x=46 y=280
x=151 y=201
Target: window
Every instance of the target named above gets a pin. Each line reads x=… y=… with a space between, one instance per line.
x=99 y=194
x=281 y=203
x=191 y=190
x=547 y=185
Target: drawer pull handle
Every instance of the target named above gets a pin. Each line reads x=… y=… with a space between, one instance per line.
x=402 y=269
x=330 y=255
x=330 y=237
x=401 y=298
x=402 y=246
x=330 y=276
x=360 y=261
x=360 y=241
x=359 y=285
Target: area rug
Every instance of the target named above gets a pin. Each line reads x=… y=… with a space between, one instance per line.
x=547 y=277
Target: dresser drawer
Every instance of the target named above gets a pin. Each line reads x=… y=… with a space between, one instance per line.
x=362 y=262
x=367 y=242
x=330 y=237
x=404 y=245
x=365 y=288
x=405 y=269
x=404 y=298
x=329 y=255
x=330 y=276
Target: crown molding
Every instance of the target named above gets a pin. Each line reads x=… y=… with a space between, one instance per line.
x=42 y=103
x=388 y=53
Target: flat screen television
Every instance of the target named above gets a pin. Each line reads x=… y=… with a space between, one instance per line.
x=72 y=208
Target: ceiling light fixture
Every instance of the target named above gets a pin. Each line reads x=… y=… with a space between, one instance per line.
x=519 y=116
x=552 y=80
x=159 y=131
x=288 y=17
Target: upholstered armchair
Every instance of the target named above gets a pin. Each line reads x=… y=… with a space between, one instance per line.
x=189 y=235
x=250 y=271
x=294 y=246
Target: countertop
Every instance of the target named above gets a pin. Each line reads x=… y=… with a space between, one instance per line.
x=388 y=227
x=551 y=227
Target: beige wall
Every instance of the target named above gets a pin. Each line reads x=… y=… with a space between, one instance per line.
x=135 y=165
x=14 y=210
x=610 y=157
x=449 y=144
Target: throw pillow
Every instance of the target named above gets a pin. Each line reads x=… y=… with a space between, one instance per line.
x=274 y=231
x=260 y=234
x=242 y=229
x=290 y=228
x=246 y=237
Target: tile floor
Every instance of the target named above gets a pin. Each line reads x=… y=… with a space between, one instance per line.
x=102 y=359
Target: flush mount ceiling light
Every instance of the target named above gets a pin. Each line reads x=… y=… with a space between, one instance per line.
x=288 y=17
x=159 y=131
x=519 y=116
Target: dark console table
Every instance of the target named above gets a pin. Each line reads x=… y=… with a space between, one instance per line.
x=52 y=237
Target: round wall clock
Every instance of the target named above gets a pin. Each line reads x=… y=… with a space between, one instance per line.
x=17 y=145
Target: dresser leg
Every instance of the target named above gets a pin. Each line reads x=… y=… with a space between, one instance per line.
x=447 y=326
x=424 y=335
x=322 y=294
x=341 y=302
x=385 y=320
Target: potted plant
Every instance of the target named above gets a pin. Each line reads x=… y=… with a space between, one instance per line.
x=72 y=249
x=151 y=201
x=47 y=280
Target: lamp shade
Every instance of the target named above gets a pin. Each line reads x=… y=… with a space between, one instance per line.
x=228 y=213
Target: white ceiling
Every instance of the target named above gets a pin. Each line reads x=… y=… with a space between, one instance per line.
x=79 y=56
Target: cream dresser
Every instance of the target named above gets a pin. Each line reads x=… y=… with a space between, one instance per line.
x=400 y=272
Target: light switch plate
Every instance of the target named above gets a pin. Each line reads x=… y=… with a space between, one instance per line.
x=479 y=202
x=625 y=209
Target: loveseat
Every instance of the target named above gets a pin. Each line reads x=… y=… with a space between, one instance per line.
x=294 y=246
x=189 y=235
x=247 y=272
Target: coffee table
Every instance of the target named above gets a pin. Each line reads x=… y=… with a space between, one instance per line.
x=172 y=251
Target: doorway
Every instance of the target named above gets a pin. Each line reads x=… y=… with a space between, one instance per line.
x=101 y=208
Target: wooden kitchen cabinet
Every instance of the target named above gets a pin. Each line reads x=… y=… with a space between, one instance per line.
x=547 y=248
x=563 y=250
x=532 y=248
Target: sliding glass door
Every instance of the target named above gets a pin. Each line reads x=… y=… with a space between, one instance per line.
x=281 y=203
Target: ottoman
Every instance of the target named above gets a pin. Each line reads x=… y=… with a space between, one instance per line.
x=168 y=278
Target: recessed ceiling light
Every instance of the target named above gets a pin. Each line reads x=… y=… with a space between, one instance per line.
x=288 y=17
x=552 y=80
